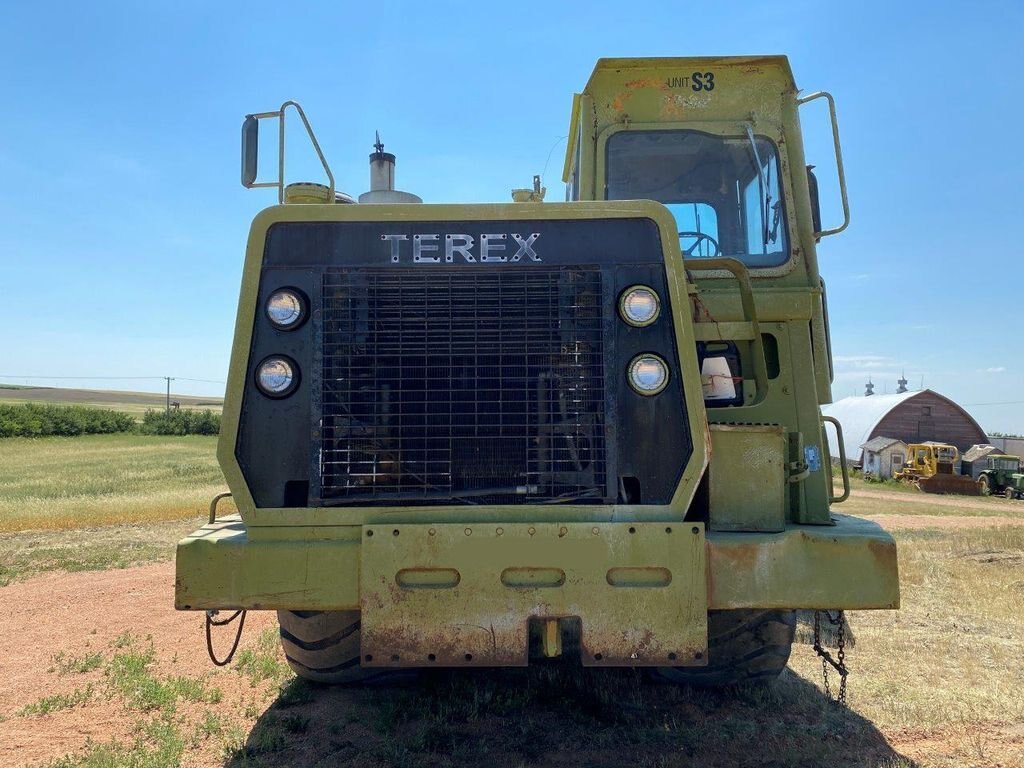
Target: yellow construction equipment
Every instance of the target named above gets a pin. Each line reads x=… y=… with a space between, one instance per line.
x=932 y=468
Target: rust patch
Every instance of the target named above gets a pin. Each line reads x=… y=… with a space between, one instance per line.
x=535 y=571
x=619 y=102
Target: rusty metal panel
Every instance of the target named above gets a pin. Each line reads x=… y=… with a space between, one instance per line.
x=463 y=595
x=851 y=564
x=747 y=478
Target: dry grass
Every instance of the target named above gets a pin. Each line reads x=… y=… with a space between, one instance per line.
x=899 y=498
x=951 y=655
x=29 y=553
x=58 y=483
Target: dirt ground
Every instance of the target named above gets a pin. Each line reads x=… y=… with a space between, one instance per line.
x=918 y=522
x=75 y=614
x=78 y=613
x=936 y=500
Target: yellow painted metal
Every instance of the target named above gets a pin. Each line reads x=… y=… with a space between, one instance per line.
x=851 y=564
x=455 y=594
x=844 y=468
x=552 y=640
x=839 y=159
x=757 y=94
x=932 y=468
x=747 y=478
x=638 y=589
x=219 y=565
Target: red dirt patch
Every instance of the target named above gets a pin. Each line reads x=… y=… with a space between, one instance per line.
x=83 y=613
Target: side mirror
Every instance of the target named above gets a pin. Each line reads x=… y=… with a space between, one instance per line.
x=812 y=188
x=250 y=150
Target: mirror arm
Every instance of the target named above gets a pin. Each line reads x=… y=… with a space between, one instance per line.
x=250 y=150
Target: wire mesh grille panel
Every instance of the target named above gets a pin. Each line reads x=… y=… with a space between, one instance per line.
x=485 y=386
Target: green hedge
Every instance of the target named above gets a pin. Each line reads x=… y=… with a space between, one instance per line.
x=44 y=420
x=40 y=420
x=180 y=422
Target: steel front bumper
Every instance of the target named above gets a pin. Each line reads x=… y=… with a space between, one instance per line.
x=640 y=590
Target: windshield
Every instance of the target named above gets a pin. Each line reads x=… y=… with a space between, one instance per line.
x=724 y=191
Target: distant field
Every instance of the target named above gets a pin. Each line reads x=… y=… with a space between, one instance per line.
x=135 y=403
x=77 y=482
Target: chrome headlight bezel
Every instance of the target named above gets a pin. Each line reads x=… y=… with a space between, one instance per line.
x=300 y=304
x=631 y=318
x=647 y=359
x=293 y=376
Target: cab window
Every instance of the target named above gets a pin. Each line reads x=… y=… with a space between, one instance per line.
x=724 y=191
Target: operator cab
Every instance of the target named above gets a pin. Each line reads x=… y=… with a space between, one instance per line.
x=724 y=191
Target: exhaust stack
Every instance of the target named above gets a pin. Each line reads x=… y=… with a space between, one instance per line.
x=382 y=179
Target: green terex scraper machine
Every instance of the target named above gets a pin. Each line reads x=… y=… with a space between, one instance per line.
x=472 y=435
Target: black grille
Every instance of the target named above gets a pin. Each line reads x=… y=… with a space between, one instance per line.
x=481 y=385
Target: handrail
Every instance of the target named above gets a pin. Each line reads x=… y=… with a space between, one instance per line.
x=213 y=505
x=842 y=462
x=280 y=115
x=839 y=159
x=739 y=271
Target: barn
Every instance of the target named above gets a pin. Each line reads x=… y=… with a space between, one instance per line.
x=913 y=417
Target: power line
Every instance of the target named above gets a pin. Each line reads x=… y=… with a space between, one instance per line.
x=1008 y=402
x=107 y=378
x=81 y=378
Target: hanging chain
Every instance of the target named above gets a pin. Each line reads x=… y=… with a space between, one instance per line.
x=213 y=621
x=839 y=662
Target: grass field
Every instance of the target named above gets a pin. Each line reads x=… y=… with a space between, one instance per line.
x=76 y=482
x=135 y=403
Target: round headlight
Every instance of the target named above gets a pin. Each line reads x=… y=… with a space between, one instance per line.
x=648 y=374
x=277 y=376
x=639 y=305
x=286 y=309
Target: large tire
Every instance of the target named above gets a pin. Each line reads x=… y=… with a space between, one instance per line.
x=984 y=485
x=323 y=646
x=747 y=645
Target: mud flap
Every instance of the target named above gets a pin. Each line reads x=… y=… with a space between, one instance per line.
x=463 y=595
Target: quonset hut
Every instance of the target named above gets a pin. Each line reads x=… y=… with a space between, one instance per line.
x=913 y=417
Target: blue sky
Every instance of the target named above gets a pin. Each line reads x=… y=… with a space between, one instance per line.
x=122 y=223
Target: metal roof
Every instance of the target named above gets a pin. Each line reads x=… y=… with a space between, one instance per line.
x=980 y=451
x=859 y=417
x=879 y=444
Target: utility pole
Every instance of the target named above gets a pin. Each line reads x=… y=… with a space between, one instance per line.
x=169 y=380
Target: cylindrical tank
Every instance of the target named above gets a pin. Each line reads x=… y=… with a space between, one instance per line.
x=382 y=180
x=309 y=193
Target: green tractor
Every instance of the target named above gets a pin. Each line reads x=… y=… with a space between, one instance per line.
x=1002 y=476
x=476 y=435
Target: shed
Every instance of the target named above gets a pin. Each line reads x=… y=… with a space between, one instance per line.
x=913 y=417
x=973 y=460
x=883 y=456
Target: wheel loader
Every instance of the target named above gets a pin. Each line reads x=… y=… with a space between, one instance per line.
x=481 y=435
